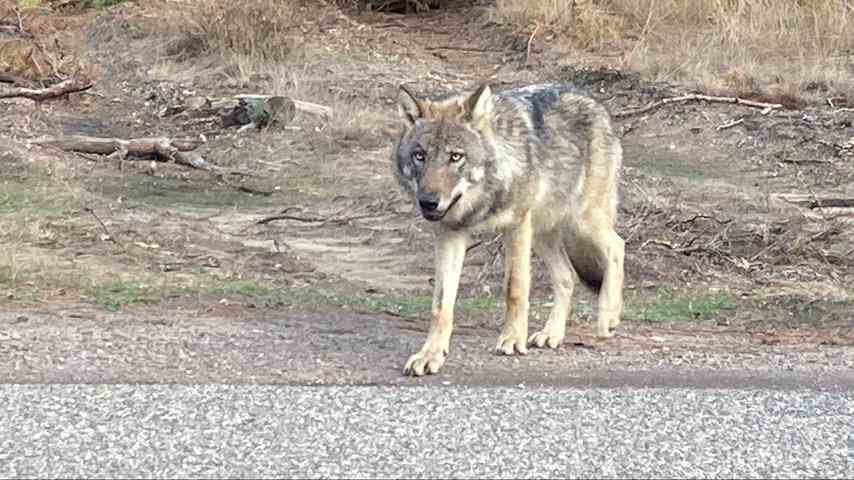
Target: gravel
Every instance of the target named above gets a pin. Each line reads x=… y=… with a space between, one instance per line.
x=180 y=431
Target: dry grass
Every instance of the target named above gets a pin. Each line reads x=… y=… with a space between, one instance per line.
x=260 y=29
x=769 y=46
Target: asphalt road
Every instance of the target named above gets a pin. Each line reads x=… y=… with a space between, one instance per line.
x=181 y=431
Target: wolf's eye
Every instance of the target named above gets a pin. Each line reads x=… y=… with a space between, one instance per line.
x=457 y=157
x=418 y=156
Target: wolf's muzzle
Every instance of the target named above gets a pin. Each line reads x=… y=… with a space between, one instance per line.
x=430 y=207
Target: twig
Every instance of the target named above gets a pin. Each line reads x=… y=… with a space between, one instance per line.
x=767 y=107
x=245 y=188
x=321 y=220
x=530 y=40
x=104 y=227
x=462 y=49
x=730 y=124
x=704 y=217
x=20 y=21
x=813 y=202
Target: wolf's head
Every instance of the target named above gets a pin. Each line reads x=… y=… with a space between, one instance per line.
x=443 y=150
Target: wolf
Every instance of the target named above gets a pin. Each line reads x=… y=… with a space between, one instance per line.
x=540 y=164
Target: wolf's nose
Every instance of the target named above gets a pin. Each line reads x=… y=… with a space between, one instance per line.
x=428 y=205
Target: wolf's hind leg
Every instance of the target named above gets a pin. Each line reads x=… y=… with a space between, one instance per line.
x=598 y=253
x=450 y=252
x=517 y=287
x=553 y=253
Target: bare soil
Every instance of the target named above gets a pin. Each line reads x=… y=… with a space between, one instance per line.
x=716 y=263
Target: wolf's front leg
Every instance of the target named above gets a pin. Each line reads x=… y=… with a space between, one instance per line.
x=450 y=253
x=517 y=286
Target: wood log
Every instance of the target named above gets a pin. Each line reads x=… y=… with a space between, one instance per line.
x=161 y=148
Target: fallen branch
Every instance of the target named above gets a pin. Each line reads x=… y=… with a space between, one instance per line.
x=107 y=235
x=161 y=148
x=813 y=202
x=730 y=124
x=71 y=85
x=531 y=41
x=767 y=107
x=462 y=49
x=20 y=20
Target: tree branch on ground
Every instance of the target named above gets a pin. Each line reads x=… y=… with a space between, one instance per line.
x=159 y=148
x=65 y=87
x=813 y=202
x=766 y=107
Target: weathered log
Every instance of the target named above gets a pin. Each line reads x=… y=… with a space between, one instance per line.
x=161 y=148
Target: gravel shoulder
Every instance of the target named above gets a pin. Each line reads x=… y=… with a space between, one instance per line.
x=336 y=348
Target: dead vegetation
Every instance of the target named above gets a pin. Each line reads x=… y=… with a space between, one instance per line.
x=774 y=47
x=265 y=30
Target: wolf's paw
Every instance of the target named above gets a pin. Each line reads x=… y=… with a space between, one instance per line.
x=511 y=344
x=604 y=334
x=424 y=362
x=546 y=338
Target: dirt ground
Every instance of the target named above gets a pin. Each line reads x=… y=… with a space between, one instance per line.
x=716 y=261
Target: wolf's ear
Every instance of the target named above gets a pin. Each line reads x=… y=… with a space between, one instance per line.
x=479 y=104
x=408 y=106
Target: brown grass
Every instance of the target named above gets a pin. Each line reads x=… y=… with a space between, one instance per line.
x=767 y=46
x=260 y=29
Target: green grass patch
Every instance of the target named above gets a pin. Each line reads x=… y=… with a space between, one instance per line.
x=172 y=192
x=34 y=199
x=115 y=296
x=669 y=307
x=29 y=3
x=413 y=305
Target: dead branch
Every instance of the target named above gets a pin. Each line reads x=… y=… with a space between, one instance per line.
x=699 y=216
x=730 y=124
x=462 y=49
x=65 y=87
x=766 y=107
x=813 y=202
x=285 y=216
x=20 y=20
x=107 y=235
x=320 y=220
x=531 y=41
x=160 y=148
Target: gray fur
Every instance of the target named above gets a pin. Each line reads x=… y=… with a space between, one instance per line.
x=543 y=156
